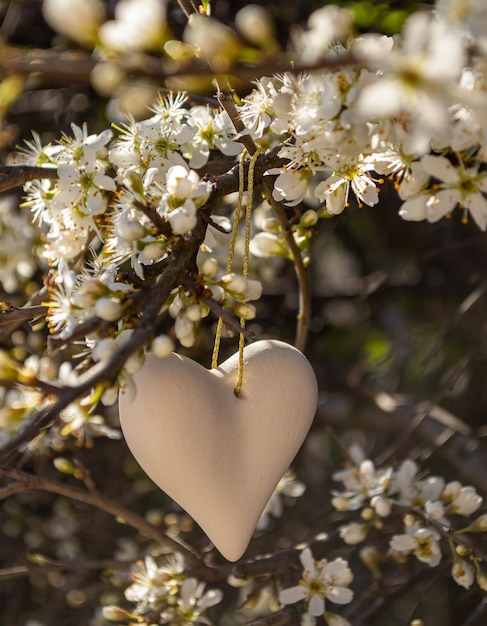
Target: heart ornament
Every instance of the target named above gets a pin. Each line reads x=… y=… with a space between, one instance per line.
x=219 y=456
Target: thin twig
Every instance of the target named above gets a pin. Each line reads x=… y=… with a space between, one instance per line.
x=285 y=617
x=463 y=452
x=46 y=565
x=78 y=67
x=188 y=7
x=228 y=319
x=304 y=307
x=28 y=482
x=13 y=176
x=421 y=415
x=37 y=299
x=21 y=314
x=159 y=222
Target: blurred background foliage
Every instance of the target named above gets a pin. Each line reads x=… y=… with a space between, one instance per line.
x=398 y=319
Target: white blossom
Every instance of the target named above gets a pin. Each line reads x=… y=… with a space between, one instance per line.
x=463 y=573
x=77 y=19
x=321 y=580
x=422 y=542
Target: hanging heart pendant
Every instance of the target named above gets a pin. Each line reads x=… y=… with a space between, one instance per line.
x=217 y=455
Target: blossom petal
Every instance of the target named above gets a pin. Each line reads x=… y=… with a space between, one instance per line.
x=442 y=203
x=440 y=168
x=293 y=594
x=316 y=606
x=477 y=205
x=339 y=595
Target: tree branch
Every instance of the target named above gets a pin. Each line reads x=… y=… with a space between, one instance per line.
x=46 y=565
x=21 y=314
x=76 y=67
x=27 y=482
x=13 y=176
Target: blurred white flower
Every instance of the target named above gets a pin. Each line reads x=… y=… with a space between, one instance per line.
x=78 y=20
x=287 y=487
x=461 y=500
x=458 y=186
x=353 y=533
x=361 y=484
x=417 y=78
x=463 y=573
x=192 y=603
x=422 y=542
x=326 y=25
x=138 y=25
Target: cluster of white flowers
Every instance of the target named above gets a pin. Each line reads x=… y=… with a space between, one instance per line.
x=165 y=594
x=117 y=218
x=411 y=109
x=428 y=506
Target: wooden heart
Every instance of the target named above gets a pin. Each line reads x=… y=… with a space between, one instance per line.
x=218 y=456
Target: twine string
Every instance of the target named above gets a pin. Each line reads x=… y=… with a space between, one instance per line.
x=245 y=270
x=231 y=255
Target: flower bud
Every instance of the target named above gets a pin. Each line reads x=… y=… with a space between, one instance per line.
x=210 y=267
x=115 y=613
x=193 y=312
x=353 y=533
x=463 y=573
x=234 y=283
x=64 y=466
x=152 y=252
x=482 y=580
x=367 y=513
x=308 y=219
x=370 y=557
x=178 y=50
x=134 y=362
x=108 y=309
x=265 y=245
x=270 y=225
x=162 y=346
x=435 y=510
x=253 y=290
x=178 y=182
x=187 y=340
x=245 y=311
x=479 y=525
x=104 y=349
x=183 y=219
x=381 y=505
x=130 y=230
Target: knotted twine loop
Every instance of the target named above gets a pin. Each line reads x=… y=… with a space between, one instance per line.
x=231 y=254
